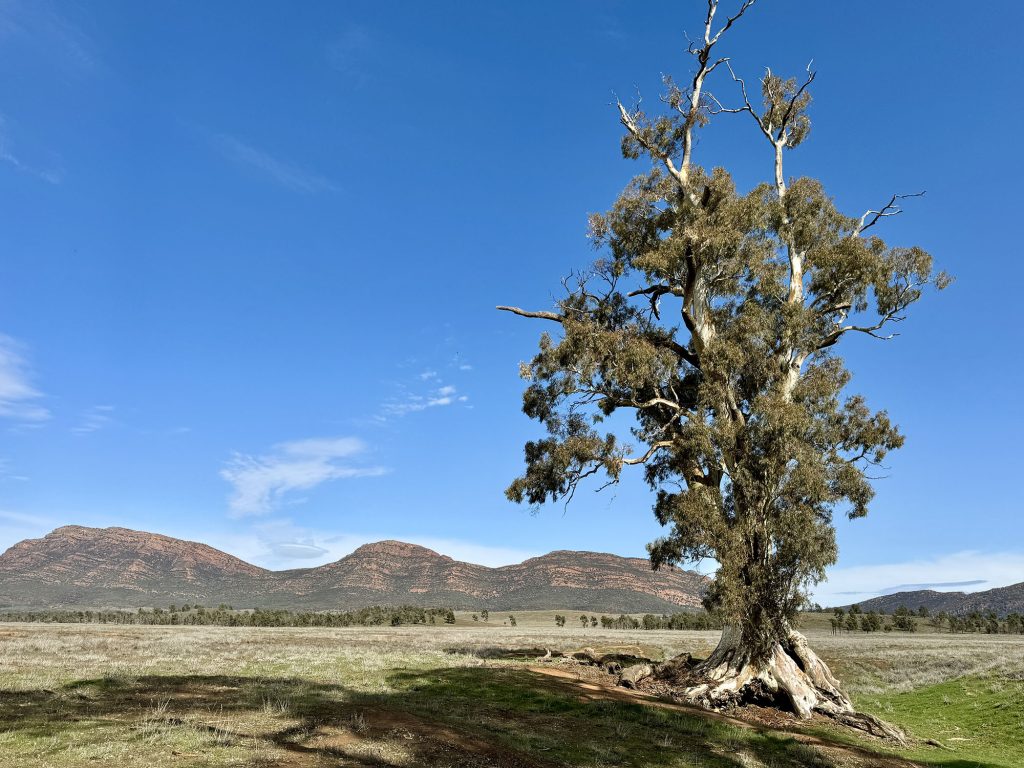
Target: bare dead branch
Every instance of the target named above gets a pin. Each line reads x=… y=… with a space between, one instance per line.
x=892 y=208
x=811 y=74
x=712 y=5
x=717 y=64
x=628 y=121
x=525 y=313
x=691 y=114
x=870 y=330
x=655 y=447
x=747 y=106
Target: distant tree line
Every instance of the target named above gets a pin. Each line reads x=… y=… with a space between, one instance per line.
x=905 y=620
x=696 y=620
x=226 y=616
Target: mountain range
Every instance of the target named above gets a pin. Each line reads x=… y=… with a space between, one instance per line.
x=1002 y=600
x=80 y=567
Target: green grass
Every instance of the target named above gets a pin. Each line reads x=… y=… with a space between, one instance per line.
x=979 y=719
x=554 y=720
x=508 y=716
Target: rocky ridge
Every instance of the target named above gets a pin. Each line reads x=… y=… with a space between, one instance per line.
x=1002 y=600
x=75 y=566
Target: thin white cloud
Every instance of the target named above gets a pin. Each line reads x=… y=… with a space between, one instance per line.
x=428 y=375
x=284 y=173
x=18 y=526
x=472 y=552
x=413 y=403
x=296 y=550
x=8 y=156
x=6 y=473
x=352 y=54
x=94 y=419
x=42 y=29
x=263 y=483
x=278 y=544
x=968 y=571
x=50 y=176
x=19 y=399
x=31 y=520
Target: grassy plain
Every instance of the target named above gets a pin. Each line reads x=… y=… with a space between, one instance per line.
x=87 y=695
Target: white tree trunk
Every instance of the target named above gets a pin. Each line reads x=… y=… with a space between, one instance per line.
x=793 y=677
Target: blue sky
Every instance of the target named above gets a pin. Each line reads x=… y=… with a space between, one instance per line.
x=249 y=260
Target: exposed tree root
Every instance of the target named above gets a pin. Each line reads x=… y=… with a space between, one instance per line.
x=792 y=678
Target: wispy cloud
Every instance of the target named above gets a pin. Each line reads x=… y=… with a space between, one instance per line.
x=473 y=552
x=412 y=402
x=297 y=550
x=8 y=156
x=94 y=419
x=936 y=585
x=19 y=399
x=956 y=571
x=31 y=520
x=17 y=526
x=284 y=173
x=6 y=473
x=277 y=543
x=263 y=483
x=40 y=28
x=352 y=54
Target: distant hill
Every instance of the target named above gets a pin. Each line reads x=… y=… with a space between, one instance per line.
x=1002 y=600
x=81 y=567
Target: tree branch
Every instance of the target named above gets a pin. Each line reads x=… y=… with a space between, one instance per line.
x=832 y=338
x=691 y=114
x=792 y=102
x=671 y=344
x=712 y=6
x=525 y=313
x=892 y=208
x=650 y=452
x=654 y=293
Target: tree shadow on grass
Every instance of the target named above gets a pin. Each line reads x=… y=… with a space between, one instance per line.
x=508 y=717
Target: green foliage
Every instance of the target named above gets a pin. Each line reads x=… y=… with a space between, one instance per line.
x=852 y=622
x=902 y=619
x=698 y=620
x=976 y=621
x=746 y=430
x=870 y=622
x=225 y=616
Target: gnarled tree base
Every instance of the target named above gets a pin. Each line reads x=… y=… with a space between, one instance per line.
x=793 y=677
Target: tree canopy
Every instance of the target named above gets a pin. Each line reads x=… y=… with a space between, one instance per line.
x=715 y=316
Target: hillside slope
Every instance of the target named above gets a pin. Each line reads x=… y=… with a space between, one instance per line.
x=75 y=566
x=1002 y=600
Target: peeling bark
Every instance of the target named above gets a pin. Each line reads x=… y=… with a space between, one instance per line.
x=793 y=677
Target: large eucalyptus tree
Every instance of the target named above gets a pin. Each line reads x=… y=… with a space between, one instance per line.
x=714 y=316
